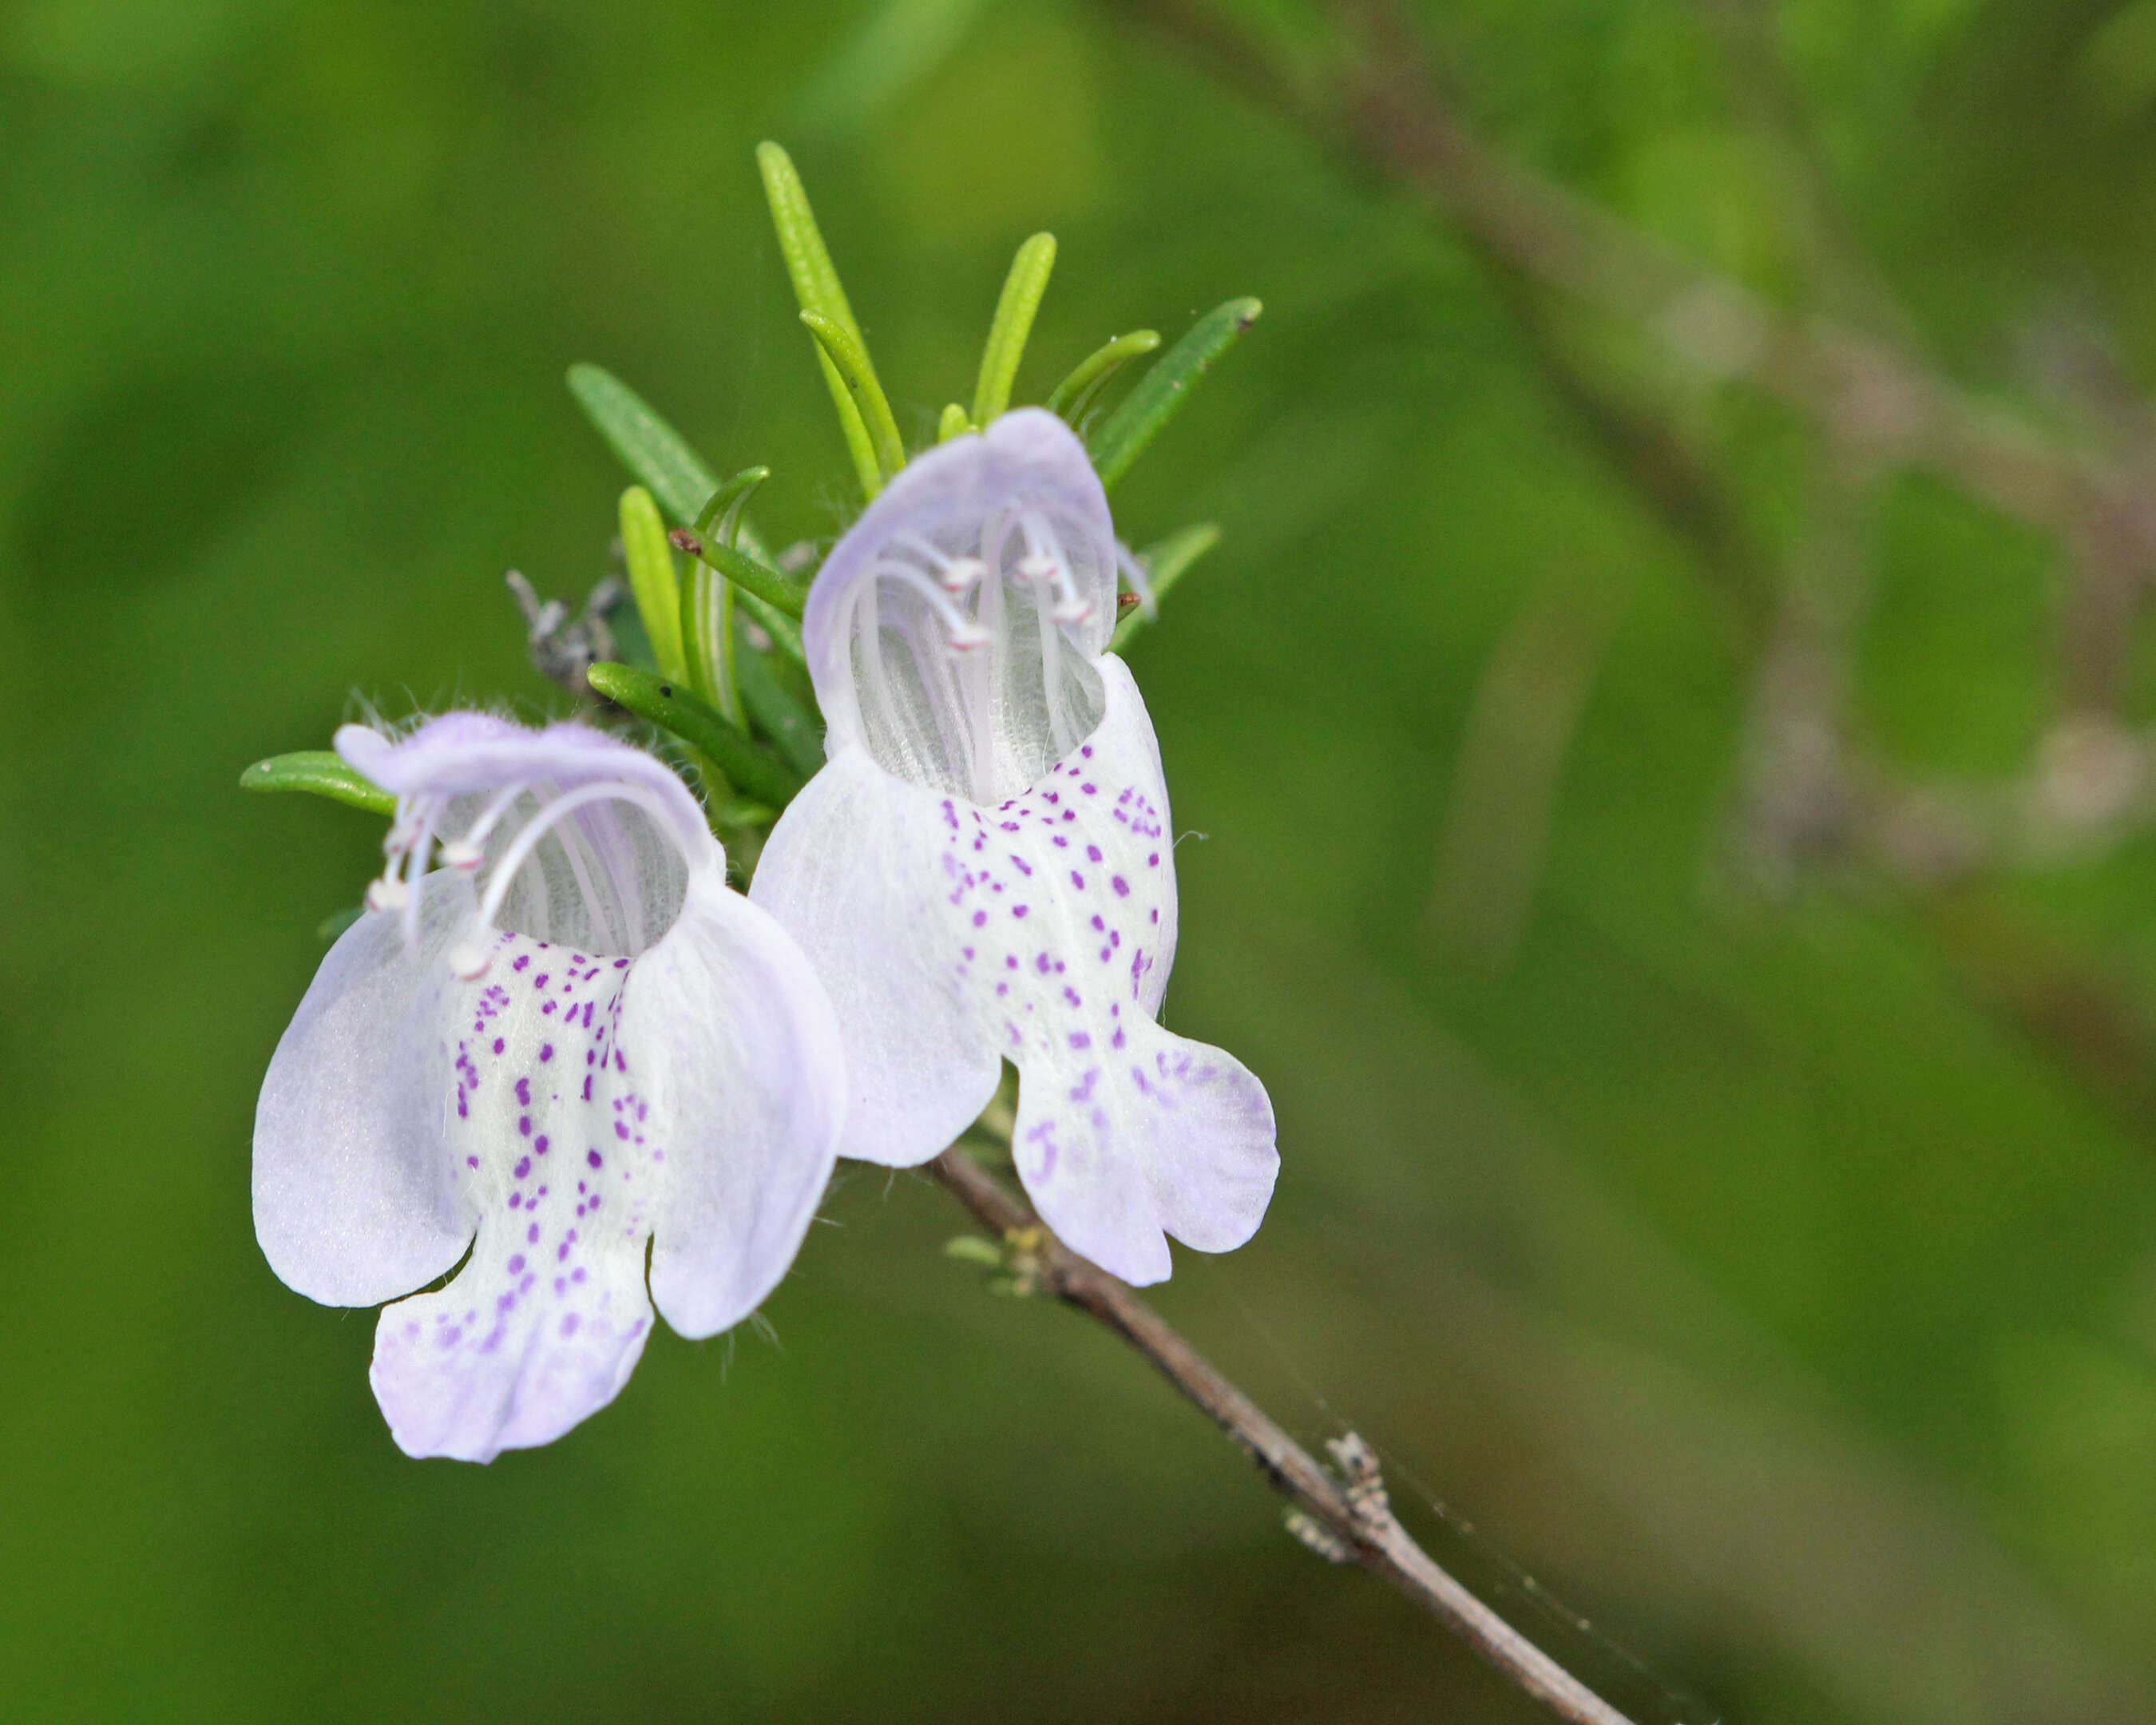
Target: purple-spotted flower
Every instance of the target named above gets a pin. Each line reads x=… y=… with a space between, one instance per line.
x=566 y=1039
x=984 y=869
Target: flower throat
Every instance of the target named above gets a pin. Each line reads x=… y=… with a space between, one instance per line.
x=970 y=675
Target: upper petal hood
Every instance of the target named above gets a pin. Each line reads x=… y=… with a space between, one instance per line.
x=951 y=632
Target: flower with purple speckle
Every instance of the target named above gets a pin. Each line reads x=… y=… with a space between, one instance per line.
x=567 y=1040
x=983 y=870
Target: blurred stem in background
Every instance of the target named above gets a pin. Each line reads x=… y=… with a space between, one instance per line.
x=1814 y=801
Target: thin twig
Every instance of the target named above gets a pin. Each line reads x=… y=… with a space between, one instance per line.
x=1353 y=1521
x=1386 y=107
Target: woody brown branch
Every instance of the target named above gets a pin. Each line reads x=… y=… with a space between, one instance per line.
x=1351 y=1509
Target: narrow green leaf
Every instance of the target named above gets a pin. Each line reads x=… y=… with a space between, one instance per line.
x=657 y=454
x=745 y=571
x=1013 y=324
x=952 y=423
x=707 y=600
x=850 y=360
x=808 y=261
x=816 y=288
x=746 y=763
x=1079 y=391
x=1163 y=391
x=646 y=444
x=1165 y=564
x=321 y=773
x=777 y=714
x=707 y=638
x=652 y=580
x=720 y=518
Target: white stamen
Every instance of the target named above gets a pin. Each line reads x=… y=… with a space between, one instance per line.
x=957 y=572
x=476 y=834
x=964 y=633
x=536 y=828
x=1043 y=570
x=426 y=812
x=388 y=894
x=961 y=574
x=462 y=854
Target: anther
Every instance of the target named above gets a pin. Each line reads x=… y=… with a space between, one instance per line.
x=961 y=573
x=469 y=961
x=387 y=894
x=1043 y=570
x=462 y=854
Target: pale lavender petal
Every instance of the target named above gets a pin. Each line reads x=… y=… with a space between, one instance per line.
x=468 y=754
x=1042 y=930
x=852 y=872
x=752 y=1098
x=547 y=1133
x=351 y=1204
x=1162 y=1134
x=502 y=1359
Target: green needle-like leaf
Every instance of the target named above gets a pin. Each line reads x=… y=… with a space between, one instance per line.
x=1079 y=391
x=843 y=349
x=707 y=638
x=777 y=715
x=659 y=456
x=745 y=571
x=1165 y=564
x=1163 y=391
x=321 y=773
x=816 y=288
x=745 y=762
x=1013 y=324
x=707 y=600
x=647 y=446
x=652 y=580
x=954 y=422
x=720 y=517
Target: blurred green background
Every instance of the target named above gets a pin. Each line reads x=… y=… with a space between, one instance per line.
x=1760 y=1269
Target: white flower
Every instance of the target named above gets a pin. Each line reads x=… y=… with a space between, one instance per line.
x=570 y=1040
x=984 y=867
